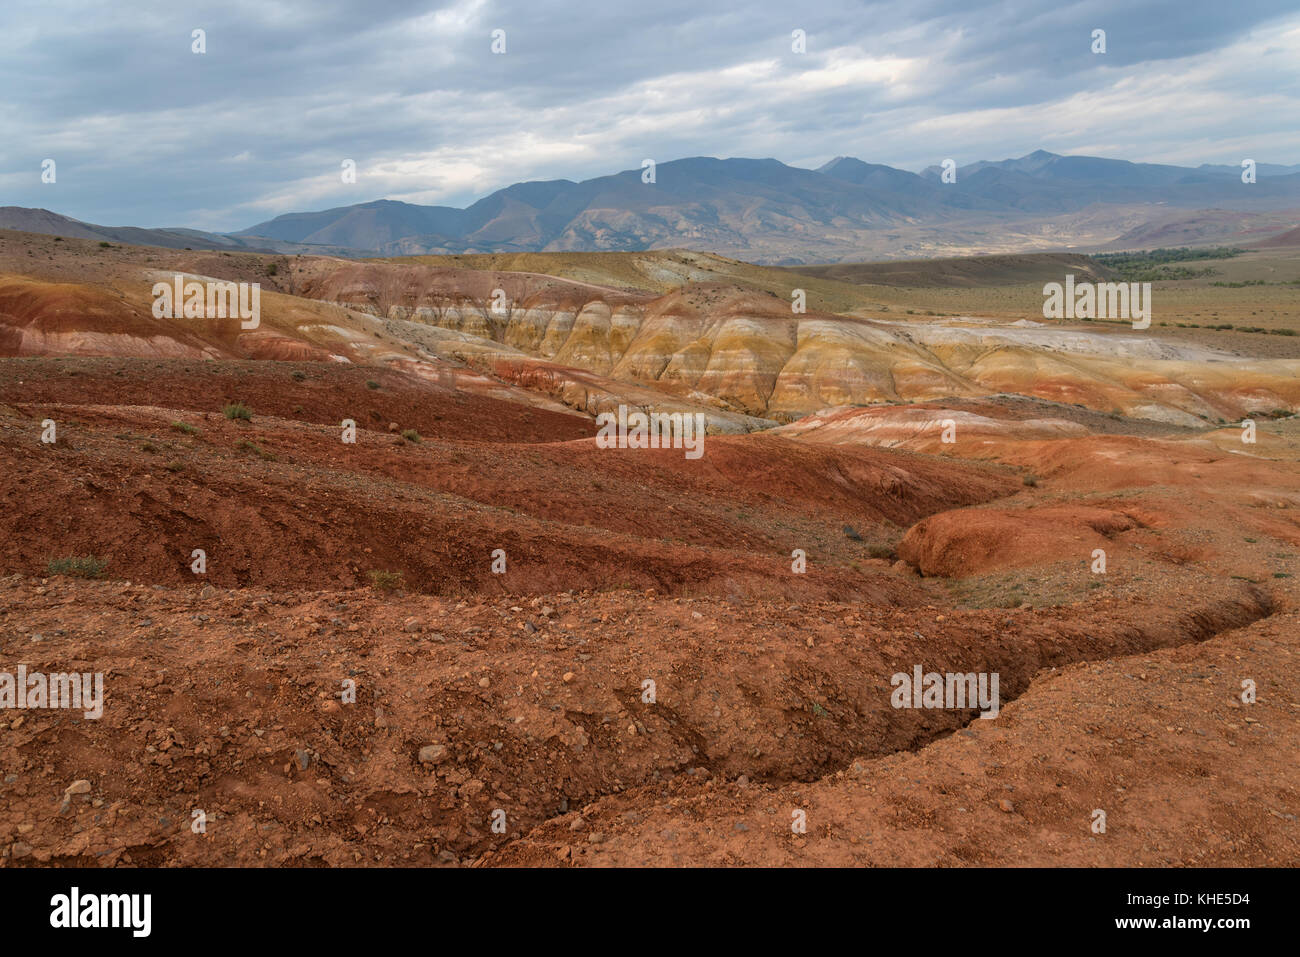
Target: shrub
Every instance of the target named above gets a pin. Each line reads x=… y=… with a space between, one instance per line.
x=237 y=410
x=82 y=566
x=372 y=384
x=411 y=435
x=386 y=580
x=247 y=446
x=1031 y=481
x=185 y=427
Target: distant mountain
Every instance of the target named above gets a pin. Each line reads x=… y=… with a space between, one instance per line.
x=766 y=211
x=53 y=224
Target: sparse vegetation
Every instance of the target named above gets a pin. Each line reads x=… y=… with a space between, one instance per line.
x=237 y=410
x=247 y=446
x=386 y=580
x=83 y=566
x=411 y=435
x=185 y=427
x=1151 y=265
x=372 y=384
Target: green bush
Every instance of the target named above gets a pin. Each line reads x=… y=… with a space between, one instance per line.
x=386 y=580
x=82 y=566
x=237 y=410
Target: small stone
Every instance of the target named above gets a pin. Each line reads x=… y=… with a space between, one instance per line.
x=484 y=682
x=303 y=758
x=207 y=592
x=78 y=787
x=20 y=849
x=568 y=677
x=1005 y=805
x=330 y=706
x=433 y=753
x=413 y=625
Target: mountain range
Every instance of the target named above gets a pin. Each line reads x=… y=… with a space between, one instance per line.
x=765 y=211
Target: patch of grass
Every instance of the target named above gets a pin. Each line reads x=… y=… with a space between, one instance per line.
x=247 y=446
x=298 y=375
x=237 y=410
x=81 y=566
x=150 y=448
x=185 y=427
x=1031 y=480
x=372 y=384
x=386 y=580
x=881 y=551
x=411 y=435
x=174 y=466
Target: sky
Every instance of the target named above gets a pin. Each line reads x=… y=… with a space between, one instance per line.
x=146 y=132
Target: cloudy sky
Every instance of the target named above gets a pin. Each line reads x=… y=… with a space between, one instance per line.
x=146 y=132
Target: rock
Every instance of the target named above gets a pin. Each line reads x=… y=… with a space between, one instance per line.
x=207 y=592
x=530 y=628
x=78 y=787
x=330 y=706
x=1005 y=805
x=413 y=625
x=484 y=682
x=568 y=677
x=851 y=534
x=433 y=753
x=393 y=426
x=303 y=758
x=20 y=849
